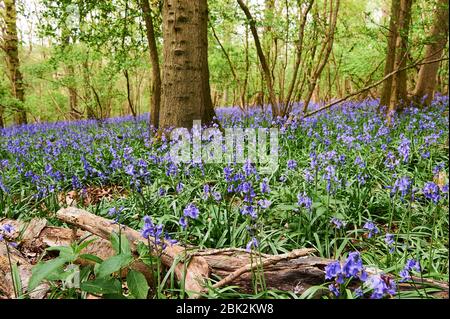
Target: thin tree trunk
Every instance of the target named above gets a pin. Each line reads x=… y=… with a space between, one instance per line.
x=262 y=58
x=13 y=63
x=154 y=60
x=324 y=52
x=186 y=94
x=390 y=55
x=298 y=56
x=426 y=83
x=399 y=89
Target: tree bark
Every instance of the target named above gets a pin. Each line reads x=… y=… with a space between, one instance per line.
x=186 y=94
x=13 y=63
x=426 y=83
x=399 y=94
x=325 y=51
x=390 y=55
x=262 y=58
x=154 y=60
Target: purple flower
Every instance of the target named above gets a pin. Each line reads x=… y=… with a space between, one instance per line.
x=183 y=223
x=353 y=266
x=304 y=201
x=359 y=292
x=402 y=185
x=191 y=211
x=252 y=243
x=370 y=226
x=337 y=222
x=291 y=164
x=264 y=203
x=7 y=228
x=332 y=270
x=180 y=187
x=431 y=191
x=265 y=187
x=334 y=290
x=381 y=286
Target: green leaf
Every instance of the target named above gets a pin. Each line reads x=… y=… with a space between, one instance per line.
x=92 y=258
x=137 y=284
x=101 y=286
x=124 y=244
x=65 y=252
x=113 y=264
x=41 y=271
x=16 y=277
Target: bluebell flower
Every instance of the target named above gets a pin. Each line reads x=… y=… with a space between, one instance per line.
x=180 y=187
x=337 y=222
x=291 y=164
x=264 y=186
x=191 y=211
x=353 y=266
x=358 y=292
x=382 y=286
x=264 y=203
x=370 y=226
x=431 y=191
x=304 y=201
x=332 y=270
x=183 y=222
x=402 y=185
x=252 y=243
x=334 y=290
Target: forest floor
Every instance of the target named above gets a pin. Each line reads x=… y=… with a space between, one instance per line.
x=369 y=198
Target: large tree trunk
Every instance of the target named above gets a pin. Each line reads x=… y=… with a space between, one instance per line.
x=156 y=71
x=390 y=55
x=399 y=89
x=186 y=94
x=426 y=83
x=13 y=64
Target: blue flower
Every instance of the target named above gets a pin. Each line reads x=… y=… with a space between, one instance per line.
x=264 y=186
x=370 y=226
x=7 y=228
x=264 y=203
x=382 y=286
x=337 y=222
x=334 y=290
x=358 y=292
x=191 y=211
x=431 y=191
x=332 y=270
x=252 y=243
x=183 y=223
x=304 y=201
x=291 y=164
x=353 y=266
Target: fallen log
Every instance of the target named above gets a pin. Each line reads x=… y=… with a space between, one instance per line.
x=24 y=268
x=294 y=272
x=35 y=236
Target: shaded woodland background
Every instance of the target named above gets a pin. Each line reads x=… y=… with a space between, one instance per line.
x=68 y=60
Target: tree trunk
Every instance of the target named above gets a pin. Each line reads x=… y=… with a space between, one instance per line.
x=186 y=94
x=426 y=83
x=13 y=64
x=399 y=88
x=325 y=51
x=156 y=71
x=390 y=55
x=262 y=58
